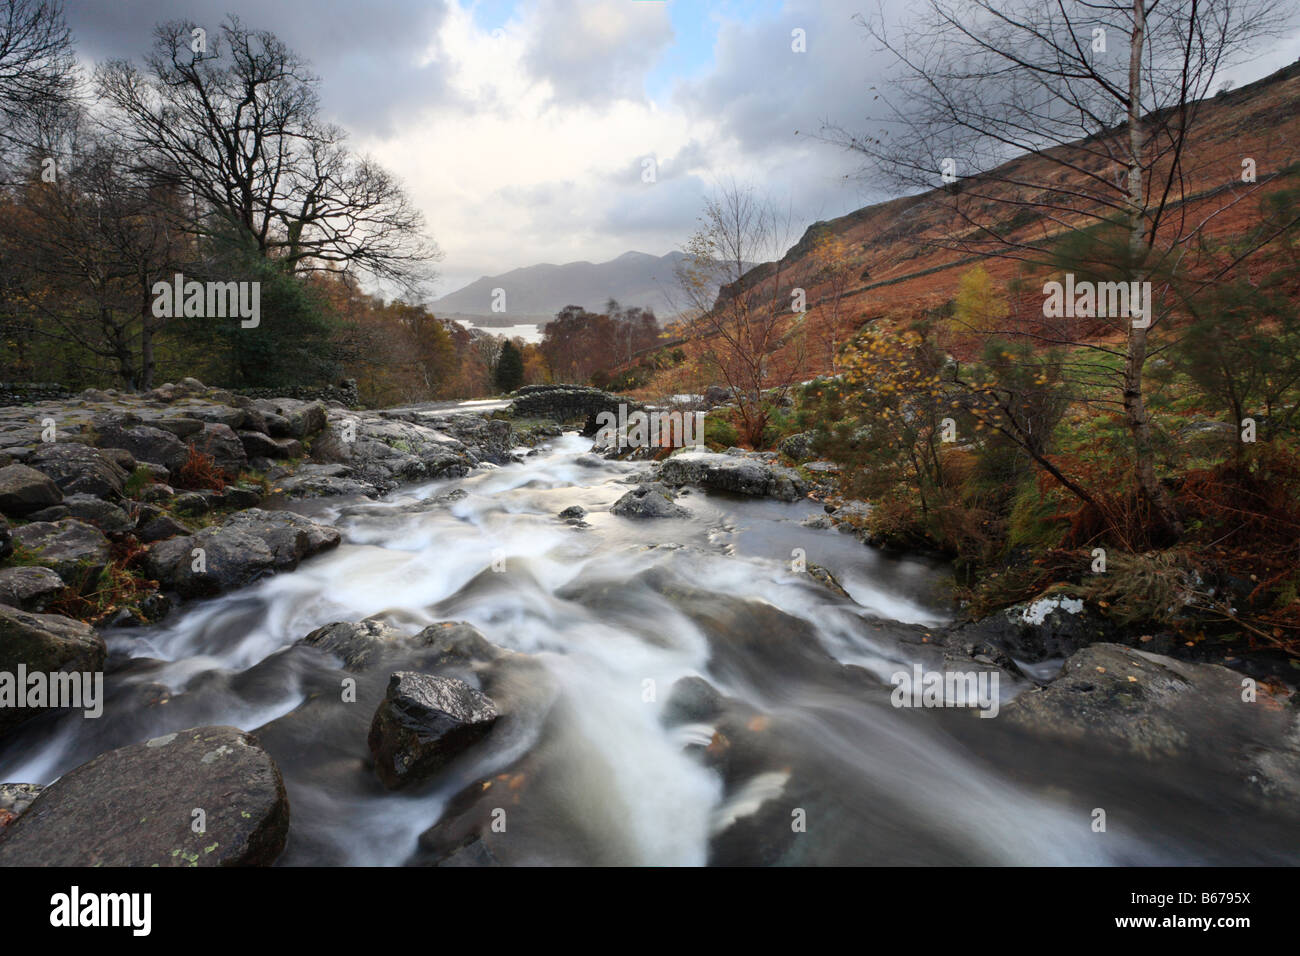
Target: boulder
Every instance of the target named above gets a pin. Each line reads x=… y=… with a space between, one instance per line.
x=44 y=643
x=224 y=446
x=648 y=501
x=798 y=447
x=81 y=469
x=24 y=490
x=6 y=539
x=423 y=723
x=145 y=442
x=291 y=418
x=743 y=474
x=160 y=527
x=104 y=515
x=135 y=807
x=259 y=445
x=77 y=552
x=1048 y=627
x=30 y=589
x=246 y=546
x=692 y=700
x=358 y=644
x=1159 y=707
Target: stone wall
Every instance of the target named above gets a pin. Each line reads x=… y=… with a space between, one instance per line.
x=345 y=393
x=27 y=393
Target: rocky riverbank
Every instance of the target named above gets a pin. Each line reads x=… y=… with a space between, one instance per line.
x=119 y=508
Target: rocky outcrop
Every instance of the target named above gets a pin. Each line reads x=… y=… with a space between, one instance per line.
x=651 y=500
x=423 y=724
x=746 y=474
x=1049 y=627
x=145 y=442
x=385 y=452
x=240 y=550
x=1156 y=706
x=138 y=805
x=81 y=469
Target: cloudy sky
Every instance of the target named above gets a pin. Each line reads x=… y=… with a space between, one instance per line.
x=522 y=129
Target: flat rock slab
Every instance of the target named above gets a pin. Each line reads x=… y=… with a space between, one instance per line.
x=135 y=806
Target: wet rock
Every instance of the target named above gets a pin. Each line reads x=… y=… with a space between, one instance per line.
x=648 y=501
x=1049 y=627
x=324 y=486
x=76 y=551
x=46 y=643
x=134 y=807
x=1159 y=707
x=423 y=724
x=692 y=700
x=24 y=490
x=741 y=474
x=490 y=438
x=246 y=546
x=573 y=512
x=386 y=452
x=14 y=799
x=30 y=589
x=360 y=645
x=824 y=576
x=81 y=469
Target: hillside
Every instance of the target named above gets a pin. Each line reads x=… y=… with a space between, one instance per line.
x=634 y=279
x=899 y=252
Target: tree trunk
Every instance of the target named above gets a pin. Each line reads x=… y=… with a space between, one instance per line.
x=146 y=336
x=1136 y=415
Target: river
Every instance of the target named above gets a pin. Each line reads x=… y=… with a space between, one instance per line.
x=608 y=617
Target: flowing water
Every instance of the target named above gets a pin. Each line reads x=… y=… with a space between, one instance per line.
x=608 y=617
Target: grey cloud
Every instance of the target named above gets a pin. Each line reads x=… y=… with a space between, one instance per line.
x=366 y=53
x=596 y=51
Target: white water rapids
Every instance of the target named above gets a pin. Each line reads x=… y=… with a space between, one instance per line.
x=877 y=785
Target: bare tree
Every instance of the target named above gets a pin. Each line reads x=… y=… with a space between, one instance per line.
x=1104 y=95
x=745 y=328
x=38 y=74
x=235 y=120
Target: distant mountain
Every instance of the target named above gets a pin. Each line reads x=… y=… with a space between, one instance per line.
x=634 y=278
